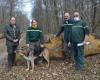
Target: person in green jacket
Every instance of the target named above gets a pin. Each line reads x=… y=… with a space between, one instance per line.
x=34 y=38
x=80 y=34
x=66 y=28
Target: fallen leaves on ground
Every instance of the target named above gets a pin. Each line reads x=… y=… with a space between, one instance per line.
x=58 y=70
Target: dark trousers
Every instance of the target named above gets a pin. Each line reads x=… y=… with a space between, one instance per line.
x=11 y=55
x=67 y=51
x=78 y=56
x=34 y=48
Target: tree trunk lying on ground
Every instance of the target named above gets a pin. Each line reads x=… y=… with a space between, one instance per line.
x=94 y=47
x=55 y=47
x=91 y=49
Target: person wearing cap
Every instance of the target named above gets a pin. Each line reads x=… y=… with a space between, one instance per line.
x=66 y=28
x=34 y=37
x=80 y=34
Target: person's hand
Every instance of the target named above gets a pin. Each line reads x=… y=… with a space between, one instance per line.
x=69 y=44
x=15 y=40
x=42 y=45
x=86 y=40
x=55 y=36
x=87 y=43
x=21 y=54
x=27 y=45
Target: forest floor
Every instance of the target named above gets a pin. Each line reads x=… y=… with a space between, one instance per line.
x=59 y=70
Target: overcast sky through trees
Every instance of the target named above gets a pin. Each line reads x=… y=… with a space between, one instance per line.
x=27 y=7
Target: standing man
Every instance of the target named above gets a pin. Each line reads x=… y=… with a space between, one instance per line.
x=34 y=37
x=80 y=34
x=12 y=35
x=66 y=27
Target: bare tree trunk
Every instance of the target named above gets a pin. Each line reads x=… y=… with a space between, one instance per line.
x=93 y=16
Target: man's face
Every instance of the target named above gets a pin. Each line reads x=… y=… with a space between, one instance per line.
x=66 y=16
x=76 y=14
x=13 y=21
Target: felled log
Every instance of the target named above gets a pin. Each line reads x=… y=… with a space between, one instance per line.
x=55 y=47
x=93 y=47
x=57 y=43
